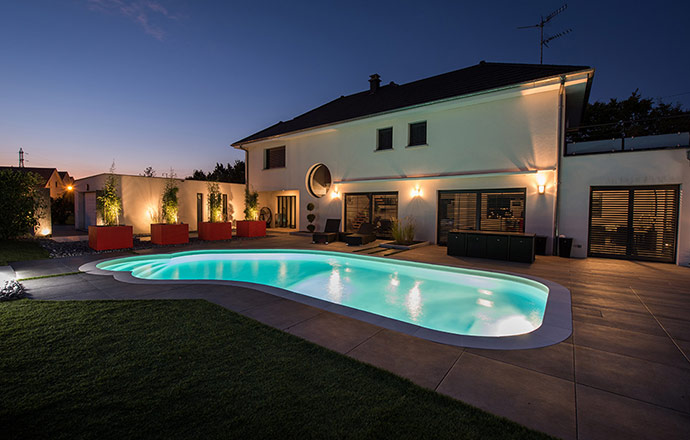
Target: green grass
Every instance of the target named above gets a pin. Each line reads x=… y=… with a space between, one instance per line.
x=19 y=250
x=191 y=369
x=49 y=276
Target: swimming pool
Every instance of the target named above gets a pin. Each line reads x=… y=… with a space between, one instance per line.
x=449 y=300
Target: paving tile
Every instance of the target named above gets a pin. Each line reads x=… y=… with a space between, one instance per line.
x=536 y=400
x=240 y=298
x=42 y=283
x=669 y=311
x=330 y=330
x=423 y=362
x=282 y=314
x=54 y=292
x=555 y=360
x=641 y=322
x=607 y=416
x=650 y=382
x=658 y=349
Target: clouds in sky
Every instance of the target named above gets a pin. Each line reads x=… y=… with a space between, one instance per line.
x=146 y=13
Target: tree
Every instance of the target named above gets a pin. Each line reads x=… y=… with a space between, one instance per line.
x=149 y=172
x=109 y=203
x=20 y=203
x=231 y=173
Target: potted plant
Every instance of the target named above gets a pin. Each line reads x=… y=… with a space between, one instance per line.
x=110 y=235
x=310 y=217
x=216 y=228
x=251 y=226
x=169 y=231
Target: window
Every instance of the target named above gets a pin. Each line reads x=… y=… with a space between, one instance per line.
x=385 y=139
x=318 y=180
x=417 y=134
x=483 y=210
x=378 y=209
x=275 y=158
x=225 y=207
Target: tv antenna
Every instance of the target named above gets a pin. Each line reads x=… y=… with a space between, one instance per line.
x=544 y=42
x=21 y=158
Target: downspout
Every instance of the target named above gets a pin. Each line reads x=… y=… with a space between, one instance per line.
x=561 y=151
x=246 y=167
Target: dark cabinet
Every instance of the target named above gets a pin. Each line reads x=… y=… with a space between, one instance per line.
x=476 y=245
x=495 y=245
x=522 y=249
x=457 y=244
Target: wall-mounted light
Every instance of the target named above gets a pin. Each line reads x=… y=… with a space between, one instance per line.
x=416 y=192
x=70 y=187
x=541 y=183
x=335 y=194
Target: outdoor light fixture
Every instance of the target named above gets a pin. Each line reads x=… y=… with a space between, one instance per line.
x=70 y=187
x=45 y=231
x=335 y=194
x=541 y=183
x=416 y=192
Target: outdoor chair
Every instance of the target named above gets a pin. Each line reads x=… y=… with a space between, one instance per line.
x=330 y=232
x=364 y=235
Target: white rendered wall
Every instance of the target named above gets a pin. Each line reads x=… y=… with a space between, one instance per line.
x=142 y=196
x=579 y=173
x=506 y=131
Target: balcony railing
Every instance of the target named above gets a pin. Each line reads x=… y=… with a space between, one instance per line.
x=643 y=134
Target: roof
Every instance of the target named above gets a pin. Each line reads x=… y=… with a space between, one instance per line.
x=481 y=77
x=45 y=173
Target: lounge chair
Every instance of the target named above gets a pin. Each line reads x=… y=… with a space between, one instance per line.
x=330 y=232
x=364 y=235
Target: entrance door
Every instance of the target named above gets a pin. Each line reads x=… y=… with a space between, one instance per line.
x=635 y=223
x=285 y=214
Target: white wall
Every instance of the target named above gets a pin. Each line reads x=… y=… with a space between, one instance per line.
x=514 y=130
x=579 y=173
x=141 y=199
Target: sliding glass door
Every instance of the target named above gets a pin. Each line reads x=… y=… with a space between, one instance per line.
x=377 y=208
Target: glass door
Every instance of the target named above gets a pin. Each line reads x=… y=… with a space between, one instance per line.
x=379 y=209
x=357 y=211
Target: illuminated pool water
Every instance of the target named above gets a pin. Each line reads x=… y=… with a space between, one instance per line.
x=446 y=299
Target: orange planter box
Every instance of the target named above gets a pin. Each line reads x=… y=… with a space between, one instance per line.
x=215 y=231
x=103 y=238
x=162 y=233
x=251 y=228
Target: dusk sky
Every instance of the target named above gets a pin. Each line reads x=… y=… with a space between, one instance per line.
x=173 y=83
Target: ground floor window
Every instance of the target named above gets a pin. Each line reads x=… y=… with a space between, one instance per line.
x=637 y=223
x=377 y=208
x=501 y=210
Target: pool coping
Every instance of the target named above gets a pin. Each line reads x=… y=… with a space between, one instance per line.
x=556 y=324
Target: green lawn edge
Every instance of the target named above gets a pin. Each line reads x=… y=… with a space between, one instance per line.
x=189 y=368
x=20 y=250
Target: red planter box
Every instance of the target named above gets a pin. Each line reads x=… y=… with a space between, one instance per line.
x=215 y=231
x=251 y=228
x=103 y=238
x=162 y=233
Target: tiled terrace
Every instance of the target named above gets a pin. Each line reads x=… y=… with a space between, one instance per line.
x=624 y=373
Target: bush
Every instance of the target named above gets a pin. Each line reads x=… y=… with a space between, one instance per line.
x=20 y=203
x=403 y=233
x=311 y=228
x=109 y=203
x=170 y=202
x=215 y=203
x=251 y=204
x=311 y=218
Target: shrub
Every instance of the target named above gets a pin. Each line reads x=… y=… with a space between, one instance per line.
x=251 y=204
x=109 y=203
x=215 y=203
x=20 y=203
x=403 y=232
x=170 y=202
x=310 y=217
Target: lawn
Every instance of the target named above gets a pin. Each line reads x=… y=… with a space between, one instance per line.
x=19 y=250
x=191 y=369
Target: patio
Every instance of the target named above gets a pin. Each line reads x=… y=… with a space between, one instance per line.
x=624 y=373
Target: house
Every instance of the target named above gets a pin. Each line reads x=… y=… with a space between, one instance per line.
x=480 y=148
x=141 y=201
x=54 y=184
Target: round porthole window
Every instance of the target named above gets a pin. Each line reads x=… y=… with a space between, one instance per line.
x=318 y=180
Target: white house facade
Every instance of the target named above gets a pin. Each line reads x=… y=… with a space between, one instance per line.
x=480 y=149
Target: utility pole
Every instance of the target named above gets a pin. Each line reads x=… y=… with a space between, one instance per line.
x=21 y=158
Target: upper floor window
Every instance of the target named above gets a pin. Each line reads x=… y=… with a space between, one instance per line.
x=385 y=139
x=417 y=134
x=274 y=158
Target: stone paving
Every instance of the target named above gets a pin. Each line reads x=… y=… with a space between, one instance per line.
x=624 y=373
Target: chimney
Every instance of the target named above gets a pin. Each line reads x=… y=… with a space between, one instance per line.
x=374 y=83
